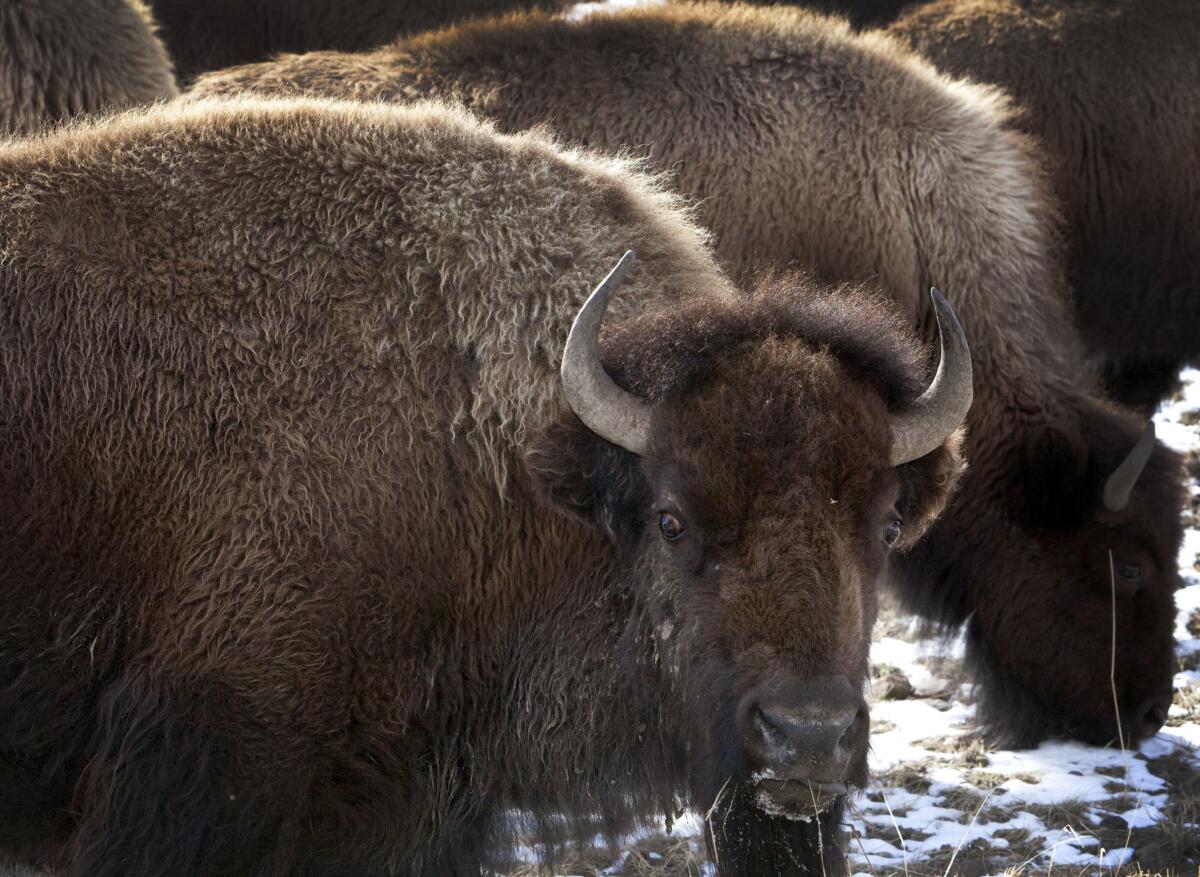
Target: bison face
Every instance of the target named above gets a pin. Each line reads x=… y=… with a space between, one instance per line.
x=765 y=519
x=753 y=519
x=1092 y=565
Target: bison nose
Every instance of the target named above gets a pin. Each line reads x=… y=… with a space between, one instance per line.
x=804 y=732
x=1152 y=715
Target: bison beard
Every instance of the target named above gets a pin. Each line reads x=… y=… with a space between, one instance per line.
x=744 y=841
x=746 y=833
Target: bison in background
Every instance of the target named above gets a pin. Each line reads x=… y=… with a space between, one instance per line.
x=847 y=154
x=207 y=35
x=1112 y=90
x=61 y=58
x=311 y=562
x=860 y=13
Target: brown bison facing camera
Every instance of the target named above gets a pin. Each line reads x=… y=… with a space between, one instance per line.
x=313 y=564
x=1113 y=92
x=207 y=35
x=62 y=58
x=806 y=144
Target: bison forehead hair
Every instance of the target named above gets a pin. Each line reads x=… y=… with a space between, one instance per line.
x=661 y=354
x=784 y=358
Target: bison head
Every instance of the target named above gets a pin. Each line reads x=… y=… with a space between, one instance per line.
x=1074 y=610
x=755 y=460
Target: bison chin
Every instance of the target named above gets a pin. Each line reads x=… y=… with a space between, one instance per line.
x=760 y=820
x=795 y=799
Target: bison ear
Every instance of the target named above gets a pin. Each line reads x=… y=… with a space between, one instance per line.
x=586 y=476
x=929 y=482
x=1053 y=472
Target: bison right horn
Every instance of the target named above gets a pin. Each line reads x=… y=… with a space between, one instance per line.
x=612 y=413
x=1120 y=484
x=943 y=406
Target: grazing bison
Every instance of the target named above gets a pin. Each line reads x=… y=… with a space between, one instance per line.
x=851 y=156
x=213 y=34
x=311 y=563
x=1113 y=91
x=60 y=58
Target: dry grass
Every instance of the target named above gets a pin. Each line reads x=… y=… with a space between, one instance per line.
x=1129 y=871
x=1174 y=842
x=1189 y=699
x=911 y=777
x=1193 y=623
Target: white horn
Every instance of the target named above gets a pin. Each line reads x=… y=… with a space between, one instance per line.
x=612 y=413
x=943 y=406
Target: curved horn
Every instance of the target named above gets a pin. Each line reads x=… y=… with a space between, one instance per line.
x=1120 y=484
x=943 y=406
x=612 y=413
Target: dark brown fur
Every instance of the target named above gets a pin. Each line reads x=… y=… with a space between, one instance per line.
x=61 y=58
x=208 y=35
x=1113 y=92
x=849 y=155
x=860 y=13
x=288 y=588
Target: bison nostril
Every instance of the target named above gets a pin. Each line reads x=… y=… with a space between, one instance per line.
x=799 y=740
x=772 y=729
x=853 y=726
x=1153 y=717
x=803 y=729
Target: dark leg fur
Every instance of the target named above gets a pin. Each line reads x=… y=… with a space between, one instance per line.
x=152 y=800
x=745 y=841
x=33 y=823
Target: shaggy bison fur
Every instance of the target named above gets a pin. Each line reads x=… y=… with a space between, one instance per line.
x=308 y=569
x=1112 y=90
x=61 y=58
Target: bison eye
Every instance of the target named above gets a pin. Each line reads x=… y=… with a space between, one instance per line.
x=671 y=526
x=891 y=533
x=1129 y=570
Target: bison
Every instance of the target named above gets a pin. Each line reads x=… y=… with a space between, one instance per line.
x=60 y=58
x=804 y=143
x=860 y=13
x=213 y=34
x=334 y=531
x=1113 y=92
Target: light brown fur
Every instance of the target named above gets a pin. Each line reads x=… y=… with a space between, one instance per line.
x=61 y=58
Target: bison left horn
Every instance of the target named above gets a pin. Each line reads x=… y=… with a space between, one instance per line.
x=612 y=413
x=1120 y=484
x=943 y=406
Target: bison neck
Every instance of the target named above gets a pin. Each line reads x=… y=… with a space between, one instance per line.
x=530 y=685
